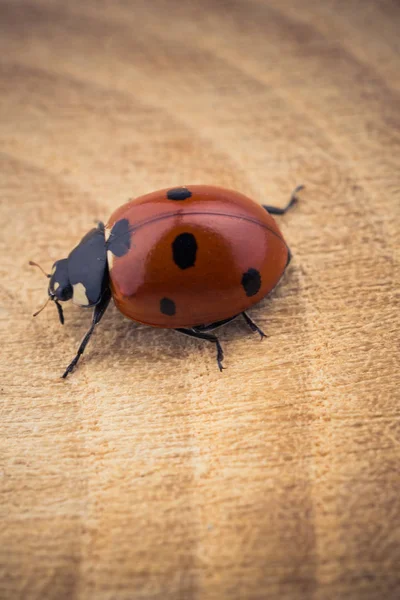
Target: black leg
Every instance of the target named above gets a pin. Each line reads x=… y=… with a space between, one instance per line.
x=60 y=312
x=274 y=210
x=212 y=326
x=289 y=258
x=253 y=326
x=98 y=312
x=206 y=336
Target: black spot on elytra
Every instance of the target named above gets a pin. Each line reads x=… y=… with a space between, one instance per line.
x=167 y=307
x=180 y=193
x=251 y=282
x=119 y=241
x=184 y=249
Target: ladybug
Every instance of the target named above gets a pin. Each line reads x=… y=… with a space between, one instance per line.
x=187 y=258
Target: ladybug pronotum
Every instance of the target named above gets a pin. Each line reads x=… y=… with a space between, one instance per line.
x=188 y=258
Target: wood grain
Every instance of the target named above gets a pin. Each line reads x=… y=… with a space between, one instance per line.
x=147 y=474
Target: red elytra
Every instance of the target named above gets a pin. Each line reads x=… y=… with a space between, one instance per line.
x=189 y=258
x=209 y=256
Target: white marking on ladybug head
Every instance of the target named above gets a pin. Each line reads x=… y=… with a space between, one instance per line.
x=79 y=295
x=110 y=259
x=56 y=285
x=107 y=232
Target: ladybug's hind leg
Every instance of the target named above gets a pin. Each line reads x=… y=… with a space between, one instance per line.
x=253 y=326
x=274 y=210
x=205 y=336
x=212 y=326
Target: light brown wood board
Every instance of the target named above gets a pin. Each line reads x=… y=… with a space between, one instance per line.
x=148 y=474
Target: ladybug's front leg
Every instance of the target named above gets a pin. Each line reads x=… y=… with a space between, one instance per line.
x=98 y=312
x=210 y=338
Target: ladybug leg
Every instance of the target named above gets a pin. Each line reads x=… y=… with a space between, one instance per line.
x=212 y=326
x=98 y=312
x=253 y=326
x=289 y=258
x=274 y=210
x=206 y=336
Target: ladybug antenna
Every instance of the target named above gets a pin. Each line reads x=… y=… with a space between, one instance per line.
x=33 y=264
x=44 y=306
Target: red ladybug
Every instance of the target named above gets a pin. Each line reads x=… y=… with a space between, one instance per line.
x=188 y=258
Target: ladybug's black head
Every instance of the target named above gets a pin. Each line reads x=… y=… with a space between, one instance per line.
x=59 y=285
x=83 y=276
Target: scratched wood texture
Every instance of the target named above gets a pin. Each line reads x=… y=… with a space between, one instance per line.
x=148 y=474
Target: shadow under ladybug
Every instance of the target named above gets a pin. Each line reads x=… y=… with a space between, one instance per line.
x=188 y=258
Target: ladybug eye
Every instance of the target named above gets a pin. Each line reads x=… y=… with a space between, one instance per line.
x=64 y=293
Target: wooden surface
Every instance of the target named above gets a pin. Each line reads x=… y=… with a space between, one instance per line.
x=148 y=474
